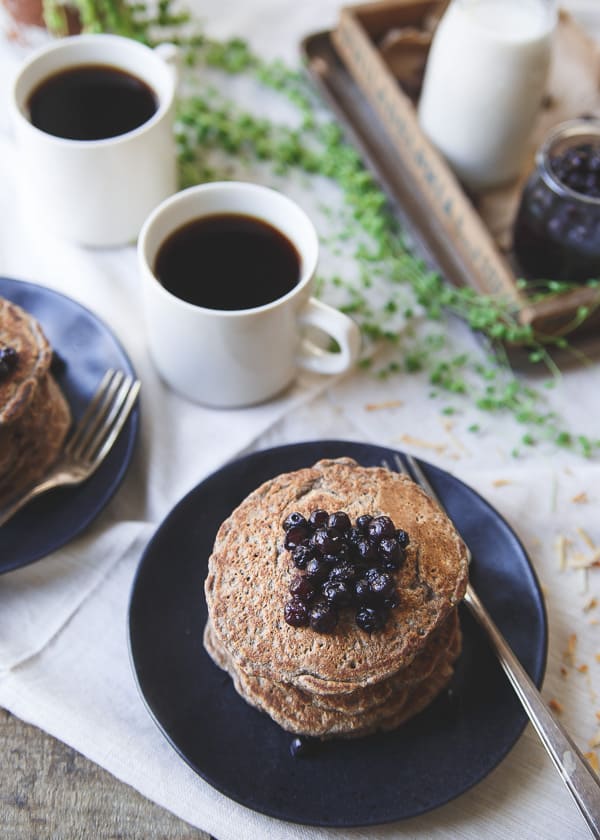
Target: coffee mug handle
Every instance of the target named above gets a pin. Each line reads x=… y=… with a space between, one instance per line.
x=338 y=326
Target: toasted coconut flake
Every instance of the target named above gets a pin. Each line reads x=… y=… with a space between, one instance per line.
x=583 y=668
x=414 y=441
x=591 y=605
x=556 y=707
x=592 y=759
x=501 y=482
x=561 y=546
x=580 y=498
x=569 y=654
x=579 y=560
x=448 y=426
x=383 y=405
x=564 y=672
x=586 y=538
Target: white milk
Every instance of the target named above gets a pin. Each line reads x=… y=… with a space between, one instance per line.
x=484 y=82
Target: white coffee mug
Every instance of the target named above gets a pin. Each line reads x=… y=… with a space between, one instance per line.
x=233 y=358
x=97 y=192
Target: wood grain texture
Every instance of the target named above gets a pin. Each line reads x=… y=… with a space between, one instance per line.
x=48 y=790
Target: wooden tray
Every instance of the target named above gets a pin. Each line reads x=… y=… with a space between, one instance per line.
x=469 y=241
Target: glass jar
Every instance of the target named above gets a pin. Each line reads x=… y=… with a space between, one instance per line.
x=557 y=228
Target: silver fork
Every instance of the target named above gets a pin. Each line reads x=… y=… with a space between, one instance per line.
x=90 y=441
x=568 y=760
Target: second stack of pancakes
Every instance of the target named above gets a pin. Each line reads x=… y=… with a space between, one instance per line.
x=347 y=682
x=34 y=414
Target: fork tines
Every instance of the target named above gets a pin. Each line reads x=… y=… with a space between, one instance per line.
x=104 y=417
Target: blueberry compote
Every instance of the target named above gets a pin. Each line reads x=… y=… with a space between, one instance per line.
x=557 y=229
x=342 y=566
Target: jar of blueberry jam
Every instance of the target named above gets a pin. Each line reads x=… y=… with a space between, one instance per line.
x=557 y=228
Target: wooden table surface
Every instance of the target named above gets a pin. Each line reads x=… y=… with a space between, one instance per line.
x=47 y=790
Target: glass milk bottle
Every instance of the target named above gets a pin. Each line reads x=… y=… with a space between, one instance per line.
x=484 y=83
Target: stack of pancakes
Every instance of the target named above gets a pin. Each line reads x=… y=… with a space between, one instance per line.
x=346 y=683
x=34 y=415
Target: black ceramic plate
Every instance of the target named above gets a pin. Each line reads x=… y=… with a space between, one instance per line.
x=85 y=348
x=435 y=757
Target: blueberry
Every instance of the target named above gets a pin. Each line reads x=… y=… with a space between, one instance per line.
x=302 y=588
x=294 y=519
x=362 y=590
x=382 y=585
x=317 y=569
x=392 y=564
x=402 y=537
x=362 y=522
x=327 y=540
x=366 y=549
x=8 y=361
x=371 y=619
x=318 y=518
x=295 y=536
x=344 y=571
x=372 y=573
x=556 y=226
x=381 y=526
x=340 y=521
x=337 y=592
x=301 y=555
x=354 y=535
x=389 y=548
x=393 y=600
x=578 y=168
x=323 y=616
x=295 y=613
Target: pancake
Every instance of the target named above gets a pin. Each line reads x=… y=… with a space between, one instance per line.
x=30 y=445
x=21 y=332
x=445 y=639
x=250 y=571
x=295 y=711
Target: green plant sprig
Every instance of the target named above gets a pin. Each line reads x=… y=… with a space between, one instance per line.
x=129 y=19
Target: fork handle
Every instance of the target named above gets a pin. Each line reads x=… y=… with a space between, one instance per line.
x=570 y=763
x=13 y=507
x=9 y=511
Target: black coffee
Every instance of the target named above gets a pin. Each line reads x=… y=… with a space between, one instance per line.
x=91 y=102
x=228 y=261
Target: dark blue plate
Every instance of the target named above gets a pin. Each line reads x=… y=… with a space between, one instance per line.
x=435 y=757
x=85 y=348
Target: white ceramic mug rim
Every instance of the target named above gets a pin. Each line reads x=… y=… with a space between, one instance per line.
x=308 y=267
x=70 y=43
